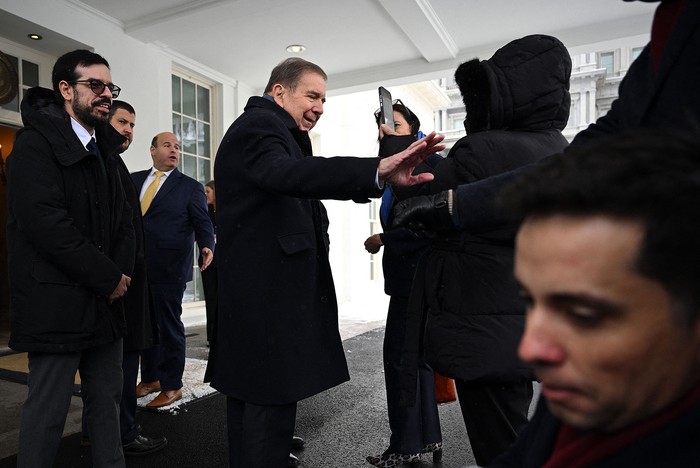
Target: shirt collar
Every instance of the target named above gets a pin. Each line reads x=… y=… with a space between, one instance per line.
x=165 y=174
x=82 y=134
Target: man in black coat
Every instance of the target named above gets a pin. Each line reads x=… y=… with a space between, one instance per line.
x=607 y=259
x=71 y=253
x=141 y=331
x=660 y=90
x=277 y=339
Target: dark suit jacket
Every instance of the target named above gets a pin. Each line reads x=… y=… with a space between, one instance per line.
x=176 y=218
x=277 y=338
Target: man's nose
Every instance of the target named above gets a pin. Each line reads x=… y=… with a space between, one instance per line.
x=106 y=92
x=539 y=342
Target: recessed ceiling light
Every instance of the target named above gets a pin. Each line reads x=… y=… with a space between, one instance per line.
x=35 y=37
x=296 y=48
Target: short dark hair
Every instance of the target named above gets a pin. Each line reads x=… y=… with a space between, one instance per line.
x=288 y=73
x=154 y=141
x=117 y=104
x=64 y=68
x=652 y=176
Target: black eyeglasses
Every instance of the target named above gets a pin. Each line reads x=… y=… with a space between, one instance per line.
x=98 y=87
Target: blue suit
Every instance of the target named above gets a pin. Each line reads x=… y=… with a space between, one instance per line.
x=176 y=218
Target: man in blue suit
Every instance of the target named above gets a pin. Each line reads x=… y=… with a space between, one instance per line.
x=174 y=210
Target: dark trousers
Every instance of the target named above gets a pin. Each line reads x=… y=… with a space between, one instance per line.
x=166 y=361
x=259 y=436
x=210 y=279
x=412 y=428
x=127 y=406
x=127 y=409
x=493 y=414
x=50 y=383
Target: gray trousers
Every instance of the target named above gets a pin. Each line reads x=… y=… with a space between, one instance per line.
x=50 y=382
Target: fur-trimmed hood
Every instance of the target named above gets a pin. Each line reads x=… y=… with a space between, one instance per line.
x=525 y=85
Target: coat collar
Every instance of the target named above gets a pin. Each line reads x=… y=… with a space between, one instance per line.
x=40 y=112
x=300 y=136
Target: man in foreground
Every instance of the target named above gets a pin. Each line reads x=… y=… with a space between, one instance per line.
x=71 y=252
x=277 y=339
x=607 y=257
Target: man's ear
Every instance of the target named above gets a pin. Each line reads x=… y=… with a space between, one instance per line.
x=66 y=90
x=277 y=93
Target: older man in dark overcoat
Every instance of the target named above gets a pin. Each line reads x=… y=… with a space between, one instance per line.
x=277 y=339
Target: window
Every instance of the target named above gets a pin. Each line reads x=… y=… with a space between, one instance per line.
x=607 y=61
x=191 y=107
x=375 y=227
x=28 y=77
x=192 y=125
x=636 y=51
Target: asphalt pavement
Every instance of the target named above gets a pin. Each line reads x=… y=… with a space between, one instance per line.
x=341 y=426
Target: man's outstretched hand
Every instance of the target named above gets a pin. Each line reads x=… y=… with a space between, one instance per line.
x=398 y=169
x=425 y=213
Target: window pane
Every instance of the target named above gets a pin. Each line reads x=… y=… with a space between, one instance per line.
x=636 y=51
x=189 y=165
x=12 y=105
x=202 y=104
x=176 y=94
x=188 y=98
x=606 y=61
x=177 y=127
x=204 y=170
x=30 y=74
x=203 y=140
x=188 y=143
x=198 y=291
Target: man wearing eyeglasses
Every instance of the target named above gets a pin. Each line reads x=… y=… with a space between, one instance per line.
x=71 y=253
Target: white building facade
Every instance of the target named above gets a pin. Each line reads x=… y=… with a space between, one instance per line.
x=173 y=93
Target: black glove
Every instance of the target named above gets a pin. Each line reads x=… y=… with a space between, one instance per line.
x=425 y=213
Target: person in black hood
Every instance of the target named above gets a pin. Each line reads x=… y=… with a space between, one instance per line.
x=464 y=306
x=71 y=255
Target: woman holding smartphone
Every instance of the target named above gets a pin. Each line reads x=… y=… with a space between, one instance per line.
x=415 y=429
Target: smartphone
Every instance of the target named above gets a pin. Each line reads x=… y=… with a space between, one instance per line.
x=386 y=107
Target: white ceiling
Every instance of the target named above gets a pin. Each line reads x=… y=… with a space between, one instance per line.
x=362 y=42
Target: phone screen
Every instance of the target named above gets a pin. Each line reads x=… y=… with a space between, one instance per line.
x=387 y=110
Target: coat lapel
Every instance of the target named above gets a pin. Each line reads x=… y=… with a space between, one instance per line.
x=170 y=182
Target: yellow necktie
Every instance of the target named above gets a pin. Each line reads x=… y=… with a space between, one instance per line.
x=150 y=193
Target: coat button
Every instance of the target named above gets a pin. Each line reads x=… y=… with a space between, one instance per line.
x=324 y=299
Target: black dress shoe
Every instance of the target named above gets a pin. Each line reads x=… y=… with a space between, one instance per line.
x=143 y=445
x=293 y=461
x=297 y=443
